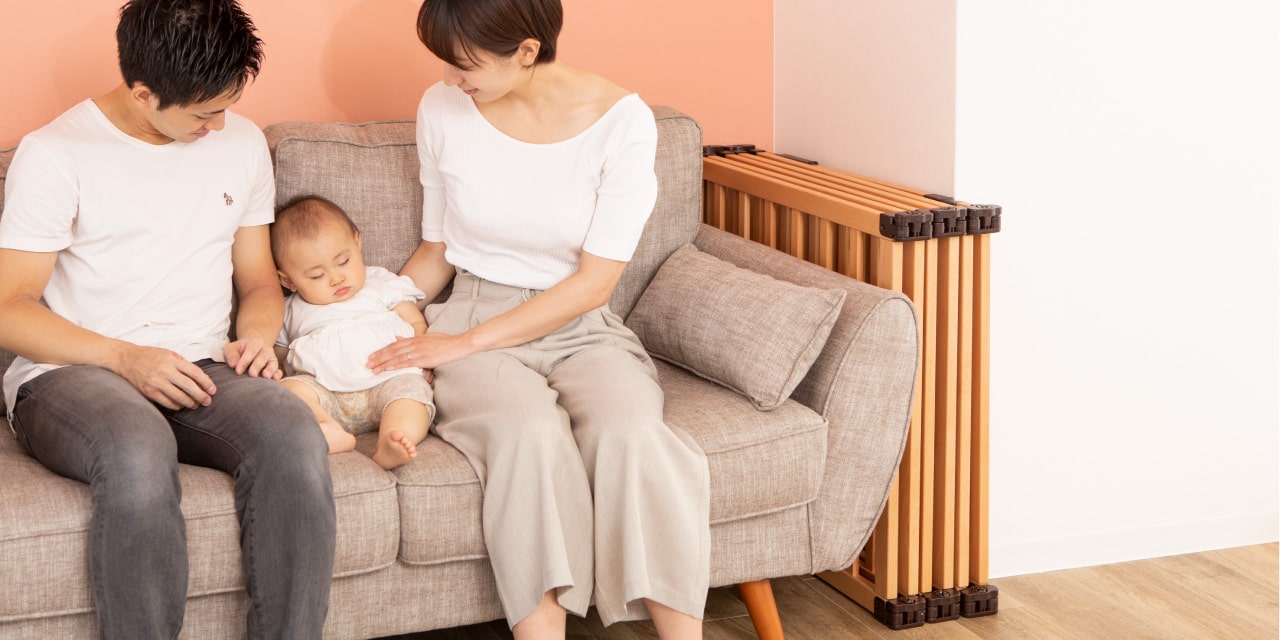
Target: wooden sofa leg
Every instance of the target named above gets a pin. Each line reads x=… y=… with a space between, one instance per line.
x=763 y=609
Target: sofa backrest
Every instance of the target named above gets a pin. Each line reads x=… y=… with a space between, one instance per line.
x=371 y=171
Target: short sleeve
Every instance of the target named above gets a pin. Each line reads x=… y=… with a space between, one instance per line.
x=40 y=203
x=393 y=289
x=628 y=186
x=261 y=209
x=433 y=199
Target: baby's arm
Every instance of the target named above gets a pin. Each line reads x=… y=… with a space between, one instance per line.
x=409 y=312
x=282 y=354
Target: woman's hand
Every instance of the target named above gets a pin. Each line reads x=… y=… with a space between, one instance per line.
x=427 y=351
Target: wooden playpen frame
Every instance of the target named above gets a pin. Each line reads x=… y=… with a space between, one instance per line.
x=927 y=559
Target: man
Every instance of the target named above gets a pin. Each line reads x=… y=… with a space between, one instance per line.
x=137 y=216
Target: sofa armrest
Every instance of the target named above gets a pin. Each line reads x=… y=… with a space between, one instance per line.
x=862 y=383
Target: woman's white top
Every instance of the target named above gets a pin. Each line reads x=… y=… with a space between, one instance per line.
x=521 y=214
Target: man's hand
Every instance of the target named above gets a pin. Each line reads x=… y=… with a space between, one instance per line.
x=166 y=378
x=253 y=356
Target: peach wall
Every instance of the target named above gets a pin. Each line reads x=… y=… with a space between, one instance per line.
x=359 y=60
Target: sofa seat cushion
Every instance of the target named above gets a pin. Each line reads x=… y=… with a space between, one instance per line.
x=440 y=500
x=761 y=461
x=44 y=524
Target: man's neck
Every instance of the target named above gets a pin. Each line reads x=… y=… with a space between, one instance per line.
x=124 y=112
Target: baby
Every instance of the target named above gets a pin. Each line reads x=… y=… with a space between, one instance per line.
x=340 y=312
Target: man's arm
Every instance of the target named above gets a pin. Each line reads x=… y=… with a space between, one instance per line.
x=31 y=330
x=261 y=310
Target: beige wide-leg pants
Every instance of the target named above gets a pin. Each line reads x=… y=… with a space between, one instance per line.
x=549 y=424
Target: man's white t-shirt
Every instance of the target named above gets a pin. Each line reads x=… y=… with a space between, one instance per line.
x=521 y=214
x=143 y=232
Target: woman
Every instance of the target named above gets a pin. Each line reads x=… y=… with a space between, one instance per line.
x=538 y=178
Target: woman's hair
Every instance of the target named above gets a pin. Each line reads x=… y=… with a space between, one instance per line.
x=448 y=27
x=187 y=51
x=303 y=218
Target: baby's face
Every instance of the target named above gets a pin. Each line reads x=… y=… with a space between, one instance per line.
x=325 y=268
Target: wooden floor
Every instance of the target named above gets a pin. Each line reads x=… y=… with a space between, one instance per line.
x=1229 y=595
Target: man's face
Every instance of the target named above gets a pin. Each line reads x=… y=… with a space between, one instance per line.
x=192 y=122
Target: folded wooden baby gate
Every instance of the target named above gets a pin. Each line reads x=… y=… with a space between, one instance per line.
x=927 y=559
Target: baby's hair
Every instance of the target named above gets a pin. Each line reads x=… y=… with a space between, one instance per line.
x=302 y=218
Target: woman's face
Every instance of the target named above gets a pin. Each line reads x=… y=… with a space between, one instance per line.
x=486 y=76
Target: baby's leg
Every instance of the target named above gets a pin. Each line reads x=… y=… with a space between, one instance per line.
x=337 y=437
x=404 y=424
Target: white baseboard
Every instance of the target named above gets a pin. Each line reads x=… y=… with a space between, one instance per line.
x=1137 y=544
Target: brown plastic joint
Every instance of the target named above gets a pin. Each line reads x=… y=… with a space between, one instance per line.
x=949 y=221
x=941 y=605
x=728 y=149
x=900 y=613
x=979 y=600
x=907 y=225
x=941 y=198
x=984 y=218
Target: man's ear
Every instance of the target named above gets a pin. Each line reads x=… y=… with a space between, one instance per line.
x=285 y=281
x=143 y=96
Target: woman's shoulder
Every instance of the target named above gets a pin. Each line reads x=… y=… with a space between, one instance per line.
x=602 y=94
x=440 y=97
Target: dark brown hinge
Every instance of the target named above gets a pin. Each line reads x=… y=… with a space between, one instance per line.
x=900 y=613
x=949 y=221
x=984 y=218
x=979 y=600
x=727 y=149
x=941 y=605
x=907 y=225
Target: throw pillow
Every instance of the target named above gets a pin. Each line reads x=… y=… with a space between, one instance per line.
x=744 y=330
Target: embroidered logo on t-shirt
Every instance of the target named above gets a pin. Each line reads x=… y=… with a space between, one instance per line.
x=227 y=197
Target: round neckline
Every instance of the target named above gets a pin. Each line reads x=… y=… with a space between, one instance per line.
x=612 y=108
x=119 y=133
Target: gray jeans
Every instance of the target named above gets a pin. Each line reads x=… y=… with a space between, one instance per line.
x=89 y=424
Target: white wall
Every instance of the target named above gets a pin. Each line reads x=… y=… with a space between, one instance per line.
x=868 y=86
x=1135 y=148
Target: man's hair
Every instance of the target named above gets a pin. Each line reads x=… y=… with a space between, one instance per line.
x=494 y=26
x=302 y=218
x=187 y=51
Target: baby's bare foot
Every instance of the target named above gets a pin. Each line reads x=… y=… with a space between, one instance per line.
x=394 y=449
x=337 y=437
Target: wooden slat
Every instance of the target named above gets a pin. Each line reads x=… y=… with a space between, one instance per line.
x=980 y=483
x=964 y=408
x=910 y=469
x=772 y=188
x=929 y=410
x=803 y=176
x=947 y=348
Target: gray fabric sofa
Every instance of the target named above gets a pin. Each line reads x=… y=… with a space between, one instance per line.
x=795 y=490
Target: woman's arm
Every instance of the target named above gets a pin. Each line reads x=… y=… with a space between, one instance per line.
x=589 y=287
x=428 y=269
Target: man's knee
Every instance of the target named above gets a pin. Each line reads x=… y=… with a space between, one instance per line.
x=138 y=479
